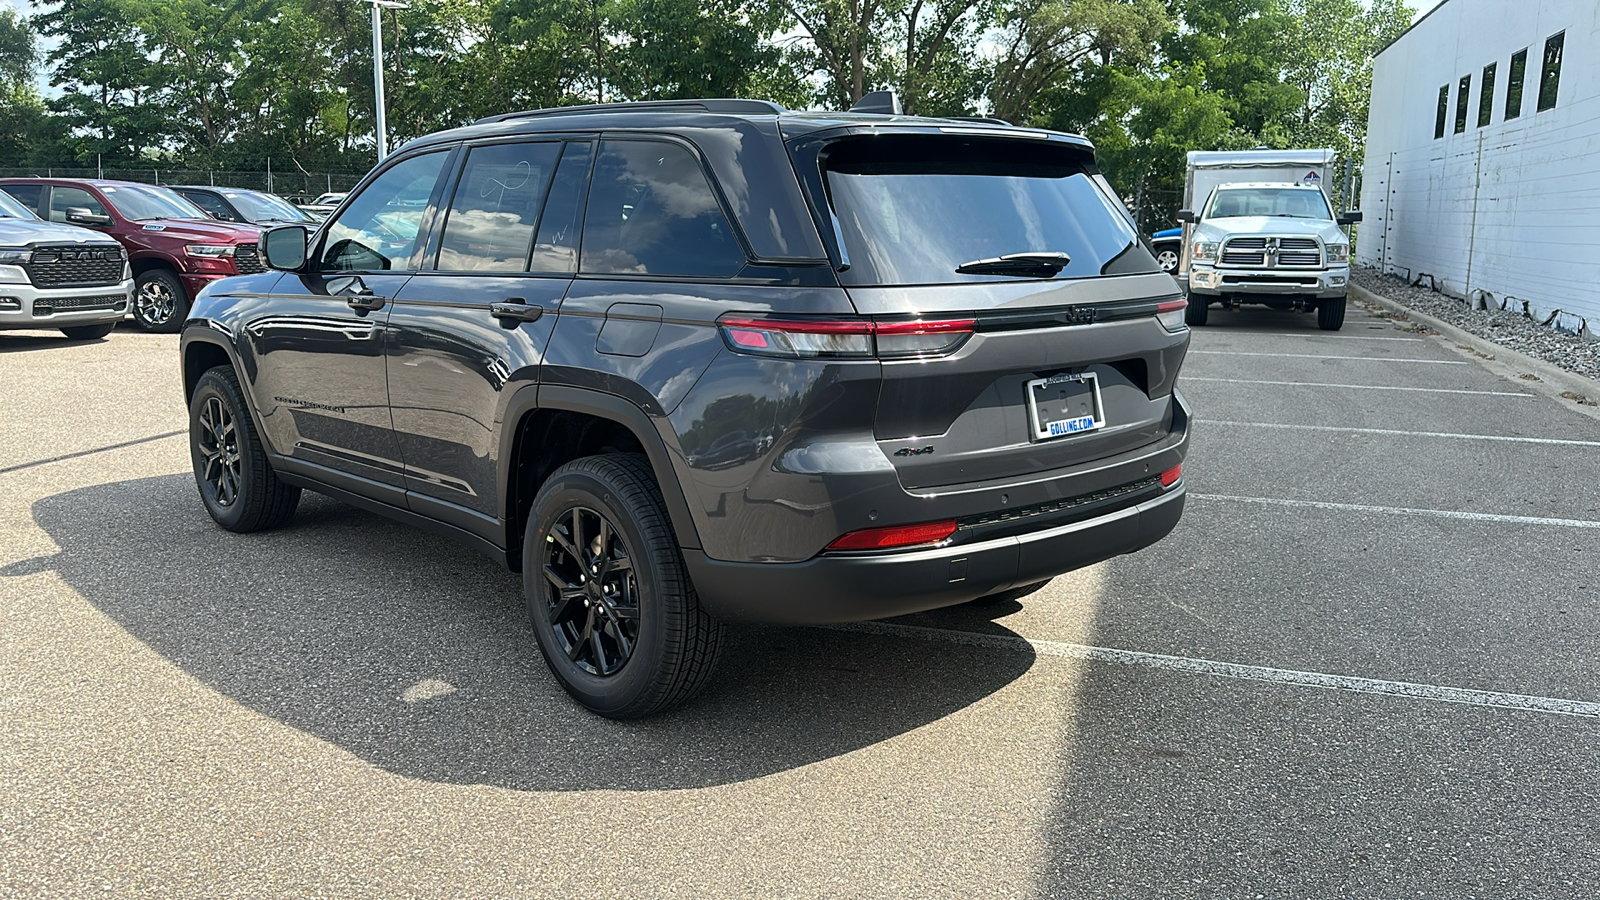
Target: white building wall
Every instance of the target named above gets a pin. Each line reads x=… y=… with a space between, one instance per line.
x=1507 y=214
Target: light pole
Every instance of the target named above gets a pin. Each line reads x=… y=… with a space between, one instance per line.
x=377 y=71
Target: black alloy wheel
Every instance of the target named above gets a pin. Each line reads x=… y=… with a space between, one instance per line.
x=593 y=602
x=608 y=595
x=218 y=442
x=237 y=484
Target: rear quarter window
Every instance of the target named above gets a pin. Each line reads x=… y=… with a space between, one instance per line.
x=913 y=209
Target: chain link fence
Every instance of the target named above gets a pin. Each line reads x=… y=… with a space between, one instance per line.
x=295 y=186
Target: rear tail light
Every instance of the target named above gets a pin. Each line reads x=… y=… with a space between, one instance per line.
x=1170 y=314
x=895 y=536
x=844 y=338
x=1170 y=477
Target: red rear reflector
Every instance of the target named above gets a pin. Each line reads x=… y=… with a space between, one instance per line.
x=896 y=536
x=1170 y=477
x=1171 y=306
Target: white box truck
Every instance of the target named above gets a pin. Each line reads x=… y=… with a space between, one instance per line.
x=1258 y=228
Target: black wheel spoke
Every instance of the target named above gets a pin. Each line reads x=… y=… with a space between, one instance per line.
x=591 y=595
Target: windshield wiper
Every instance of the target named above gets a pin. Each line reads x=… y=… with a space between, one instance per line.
x=1021 y=264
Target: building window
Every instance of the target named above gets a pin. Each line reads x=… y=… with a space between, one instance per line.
x=1486 y=96
x=1519 y=68
x=1463 y=97
x=1444 y=112
x=1550 y=76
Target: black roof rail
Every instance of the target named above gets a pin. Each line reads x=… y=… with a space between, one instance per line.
x=737 y=107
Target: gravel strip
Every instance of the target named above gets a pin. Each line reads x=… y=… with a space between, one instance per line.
x=1508 y=329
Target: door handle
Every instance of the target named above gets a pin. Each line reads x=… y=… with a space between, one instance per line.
x=367 y=302
x=515 y=311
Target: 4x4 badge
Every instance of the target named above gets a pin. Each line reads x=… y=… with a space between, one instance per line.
x=913 y=451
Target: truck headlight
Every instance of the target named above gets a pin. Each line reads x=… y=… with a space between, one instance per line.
x=208 y=251
x=1338 y=252
x=1204 y=251
x=11 y=271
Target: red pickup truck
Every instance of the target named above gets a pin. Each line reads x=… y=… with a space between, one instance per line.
x=173 y=247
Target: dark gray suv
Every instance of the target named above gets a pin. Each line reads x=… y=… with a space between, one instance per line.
x=687 y=362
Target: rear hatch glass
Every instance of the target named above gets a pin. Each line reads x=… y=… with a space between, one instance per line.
x=1018 y=237
x=937 y=209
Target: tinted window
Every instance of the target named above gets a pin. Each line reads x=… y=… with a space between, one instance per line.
x=65 y=198
x=652 y=212
x=11 y=209
x=1519 y=70
x=210 y=204
x=1443 y=115
x=556 y=249
x=28 y=195
x=378 y=230
x=912 y=209
x=1486 y=96
x=496 y=208
x=1463 y=97
x=1550 y=75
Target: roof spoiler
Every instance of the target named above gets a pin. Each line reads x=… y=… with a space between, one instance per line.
x=883 y=102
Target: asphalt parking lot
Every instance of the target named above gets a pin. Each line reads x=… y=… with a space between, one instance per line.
x=1363 y=666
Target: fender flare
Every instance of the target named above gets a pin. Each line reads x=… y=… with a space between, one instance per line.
x=533 y=397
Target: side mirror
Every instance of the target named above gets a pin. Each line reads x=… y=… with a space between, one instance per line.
x=79 y=215
x=284 y=248
x=1186 y=216
x=1350 y=218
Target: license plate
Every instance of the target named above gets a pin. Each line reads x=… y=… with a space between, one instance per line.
x=1064 y=405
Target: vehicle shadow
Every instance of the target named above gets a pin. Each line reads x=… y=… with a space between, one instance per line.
x=414 y=654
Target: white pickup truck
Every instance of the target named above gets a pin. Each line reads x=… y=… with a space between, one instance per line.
x=1264 y=232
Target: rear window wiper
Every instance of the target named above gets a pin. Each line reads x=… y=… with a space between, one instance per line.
x=1023 y=264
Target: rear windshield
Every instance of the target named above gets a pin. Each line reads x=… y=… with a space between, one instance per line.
x=913 y=209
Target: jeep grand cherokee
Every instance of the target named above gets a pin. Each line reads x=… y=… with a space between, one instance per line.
x=687 y=362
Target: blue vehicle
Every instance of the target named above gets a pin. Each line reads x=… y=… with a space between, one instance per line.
x=1168 y=248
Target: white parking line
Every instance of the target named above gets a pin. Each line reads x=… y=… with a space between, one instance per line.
x=1321 y=680
x=1340 y=337
x=1359 y=387
x=1436 y=362
x=1404 y=511
x=1394 y=433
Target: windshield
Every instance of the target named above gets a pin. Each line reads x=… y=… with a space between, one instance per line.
x=1292 y=203
x=138 y=202
x=924 y=209
x=11 y=209
x=259 y=207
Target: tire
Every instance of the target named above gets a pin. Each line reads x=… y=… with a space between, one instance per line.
x=624 y=645
x=237 y=484
x=1195 y=313
x=1006 y=596
x=1167 y=259
x=88 y=332
x=160 y=304
x=1330 y=314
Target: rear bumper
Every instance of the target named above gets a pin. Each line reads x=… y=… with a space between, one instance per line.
x=1324 y=284
x=856 y=587
x=25 y=306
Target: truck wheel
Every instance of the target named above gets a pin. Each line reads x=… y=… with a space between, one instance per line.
x=610 y=600
x=160 y=303
x=1167 y=259
x=1330 y=314
x=237 y=484
x=1195 y=312
x=1016 y=593
x=88 y=332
